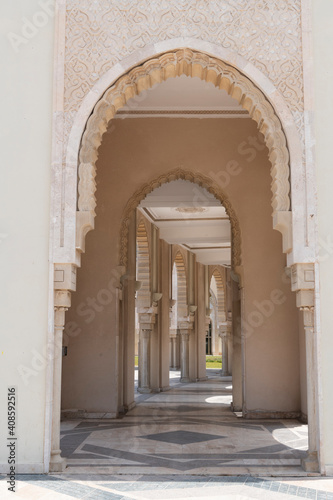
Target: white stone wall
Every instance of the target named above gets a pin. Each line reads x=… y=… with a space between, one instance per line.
x=26 y=54
x=323 y=41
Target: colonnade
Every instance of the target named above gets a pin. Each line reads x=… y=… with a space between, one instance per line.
x=183 y=323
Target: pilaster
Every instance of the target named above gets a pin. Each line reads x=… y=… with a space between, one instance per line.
x=303 y=283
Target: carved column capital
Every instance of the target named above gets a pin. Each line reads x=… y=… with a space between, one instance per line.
x=65 y=277
x=302 y=282
x=185 y=327
x=223 y=330
x=147 y=320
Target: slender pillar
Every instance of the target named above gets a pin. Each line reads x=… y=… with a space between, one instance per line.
x=62 y=299
x=164 y=314
x=144 y=361
x=302 y=281
x=237 y=368
x=174 y=351
x=225 y=370
x=184 y=356
x=147 y=323
x=310 y=463
x=185 y=329
x=230 y=343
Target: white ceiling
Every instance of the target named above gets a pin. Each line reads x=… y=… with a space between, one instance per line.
x=183 y=94
x=188 y=215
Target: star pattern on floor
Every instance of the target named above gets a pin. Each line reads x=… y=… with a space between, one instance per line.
x=181 y=437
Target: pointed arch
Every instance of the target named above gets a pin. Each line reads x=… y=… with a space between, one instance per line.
x=197 y=178
x=223 y=76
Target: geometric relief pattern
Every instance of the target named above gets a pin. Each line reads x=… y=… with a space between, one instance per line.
x=100 y=33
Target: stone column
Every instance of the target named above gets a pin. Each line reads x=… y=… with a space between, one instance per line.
x=64 y=283
x=223 y=333
x=237 y=367
x=174 y=357
x=230 y=344
x=62 y=303
x=185 y=329
x=147 y=322
x=144 y=361
x=302 y=281
x=129 y=284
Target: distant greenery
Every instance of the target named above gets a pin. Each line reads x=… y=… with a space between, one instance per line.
x=136 y=360
x=214 y=362
x=211 y=362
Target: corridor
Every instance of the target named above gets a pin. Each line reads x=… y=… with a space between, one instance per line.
x=187 y=430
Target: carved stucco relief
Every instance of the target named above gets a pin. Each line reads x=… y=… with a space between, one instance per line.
x=99 y=33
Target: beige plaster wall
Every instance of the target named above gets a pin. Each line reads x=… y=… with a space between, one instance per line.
x=26 y=120
x=133 y=153
x=323 y=75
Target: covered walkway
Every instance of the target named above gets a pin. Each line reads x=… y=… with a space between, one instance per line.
x=188 y=430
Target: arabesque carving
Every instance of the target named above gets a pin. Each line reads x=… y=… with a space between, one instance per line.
x=193 y=64
x=101 y=33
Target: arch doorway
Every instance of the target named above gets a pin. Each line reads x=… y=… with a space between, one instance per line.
x=216 y=154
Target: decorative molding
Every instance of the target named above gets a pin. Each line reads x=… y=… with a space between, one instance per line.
x=100 y=34
x=182 y=284
x=190 y=63
x=143 y=263
x=211 y=70
x=147 y=211
x=65 y=277
x=179 y=113
x=303 y=283
x=197 y=178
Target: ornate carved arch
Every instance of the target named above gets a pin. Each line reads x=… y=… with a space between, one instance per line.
x=197 y=178
x=170 y=65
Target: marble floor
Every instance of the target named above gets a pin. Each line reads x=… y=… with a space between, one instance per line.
x=189 y=429
x=184 y=443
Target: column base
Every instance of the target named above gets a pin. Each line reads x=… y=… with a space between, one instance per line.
x=144 y=390
x=164 y=389
x=235 y=408
x=185 y=380
x=129 y=406
x=57 y=462
x=201 y=379
x=310 y=463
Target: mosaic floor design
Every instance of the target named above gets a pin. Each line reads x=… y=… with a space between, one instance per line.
x=187 y=430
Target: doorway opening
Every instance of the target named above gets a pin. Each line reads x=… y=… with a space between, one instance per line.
x=258 y=328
